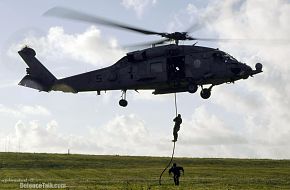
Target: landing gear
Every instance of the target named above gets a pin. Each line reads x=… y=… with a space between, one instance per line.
x=192 y=88
x=206 y=92
x=123 y=102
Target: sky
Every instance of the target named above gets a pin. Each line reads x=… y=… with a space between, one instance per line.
x=248 y=119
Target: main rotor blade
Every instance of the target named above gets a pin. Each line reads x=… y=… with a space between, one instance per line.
x=146 y=44
x=244 y=40
x=70 y=14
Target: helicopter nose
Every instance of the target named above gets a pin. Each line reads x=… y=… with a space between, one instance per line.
x=236 y=70
x=246 y=71
x=258 y=69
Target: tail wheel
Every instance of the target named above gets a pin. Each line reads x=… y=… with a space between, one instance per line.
x=205 y=93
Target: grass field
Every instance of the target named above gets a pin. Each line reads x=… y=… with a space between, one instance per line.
x=122 y=172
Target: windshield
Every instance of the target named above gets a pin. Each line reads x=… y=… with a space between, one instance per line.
x=228 y=57
x=224 y=57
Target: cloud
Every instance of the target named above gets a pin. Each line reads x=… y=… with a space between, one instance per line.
x=8 y=83
x=207 y=134
x=262 y=102
x=24 y=110
x=129 y=135
x=88 y=47
x=264 y=98
x=124 y=135
x=208 y=129
x=138 y=6
x=259 y=106
x=194 y=18
x=247 y=119
x=36 y=137
x=33 y=137
x=203 y=135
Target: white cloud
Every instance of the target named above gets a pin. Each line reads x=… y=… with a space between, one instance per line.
x=207 y=129
x=122 y=135
x=125 y=135
x=194 y=18
x=253 y=116
x=33 y=110
x=88 y=47
x=262 y=101
x=24 y=110
x=138 y=6
x=8 y=83
x=9 y=111
x=264 y=97
x=33 y=137
x=260 y=105
x=209 y=135
x=129 y=135
x=203 y=135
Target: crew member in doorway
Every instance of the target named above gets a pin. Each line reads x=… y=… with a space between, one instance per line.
x=176 y=173
x=177 y=120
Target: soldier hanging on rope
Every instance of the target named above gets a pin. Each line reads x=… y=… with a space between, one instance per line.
x=176 y=128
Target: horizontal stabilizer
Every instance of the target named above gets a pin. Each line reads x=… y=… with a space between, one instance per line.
x=27 y=81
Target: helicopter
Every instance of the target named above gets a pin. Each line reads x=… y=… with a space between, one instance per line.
x=170 y=68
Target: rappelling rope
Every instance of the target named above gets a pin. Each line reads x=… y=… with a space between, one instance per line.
x=167 y=164
x=172 y=156
x=175 y=103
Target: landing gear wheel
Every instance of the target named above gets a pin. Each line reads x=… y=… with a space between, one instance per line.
x=205 y=93
x=192 y=88
x=123 y=103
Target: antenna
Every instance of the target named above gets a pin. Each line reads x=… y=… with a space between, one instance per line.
x=5 y=143
x=19 y=144
x=8 y=144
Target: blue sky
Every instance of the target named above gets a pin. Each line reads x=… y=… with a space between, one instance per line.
x=247 y=119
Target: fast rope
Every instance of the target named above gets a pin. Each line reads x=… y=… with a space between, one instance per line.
x=172 y=156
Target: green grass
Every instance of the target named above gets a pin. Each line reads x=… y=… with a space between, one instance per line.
x=123 y=172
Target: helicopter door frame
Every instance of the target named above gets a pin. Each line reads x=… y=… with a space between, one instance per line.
x=176 y=68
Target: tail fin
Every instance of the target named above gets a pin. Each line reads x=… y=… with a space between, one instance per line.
x=38 y=77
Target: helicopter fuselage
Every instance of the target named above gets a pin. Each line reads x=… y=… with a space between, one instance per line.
x=164 y=69
x=169 y=68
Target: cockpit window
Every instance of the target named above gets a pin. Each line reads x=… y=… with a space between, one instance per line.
x=228 y=57
x=224 y=57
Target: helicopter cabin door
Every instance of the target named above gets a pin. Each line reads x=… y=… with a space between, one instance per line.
x=175 y=68
x=151 y=70
x=157 y=68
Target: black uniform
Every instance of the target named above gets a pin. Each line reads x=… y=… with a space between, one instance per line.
x=176 y=173
x=176 y=128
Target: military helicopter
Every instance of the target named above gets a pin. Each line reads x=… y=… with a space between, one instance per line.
x=170 y=68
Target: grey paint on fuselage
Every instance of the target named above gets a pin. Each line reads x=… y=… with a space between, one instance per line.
x=167 y=69
x=135 y=71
